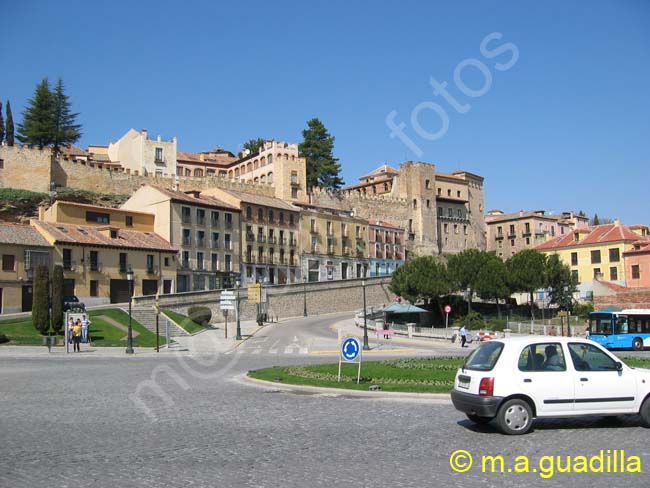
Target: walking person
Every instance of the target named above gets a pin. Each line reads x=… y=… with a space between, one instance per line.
x=85 y=324
x=463 y=335
x=76 y=335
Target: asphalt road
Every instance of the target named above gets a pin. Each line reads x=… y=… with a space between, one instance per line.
x=179 y=421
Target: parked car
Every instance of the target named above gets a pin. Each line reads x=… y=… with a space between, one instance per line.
x=71 y=303
x=517 y=379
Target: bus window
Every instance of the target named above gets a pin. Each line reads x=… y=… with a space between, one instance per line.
x=635 y=326
x=621 y=325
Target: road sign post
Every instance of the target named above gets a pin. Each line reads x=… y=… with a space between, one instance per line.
x=227 y=302
x=350 y=353
x=225 y=327
x=447 y=312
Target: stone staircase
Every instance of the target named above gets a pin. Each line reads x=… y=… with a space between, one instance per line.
x=147 y=317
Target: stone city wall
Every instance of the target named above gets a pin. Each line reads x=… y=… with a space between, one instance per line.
x=288 y=300
x=25 y=168
x=638 y=298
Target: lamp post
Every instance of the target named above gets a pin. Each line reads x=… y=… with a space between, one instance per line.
x=366 y=347
x=304 y=296
x=129 y=337
x=238 y=336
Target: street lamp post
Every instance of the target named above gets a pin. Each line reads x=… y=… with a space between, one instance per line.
x=366 y=347
x=129 y=339
x=238 y=336
x=304 y=296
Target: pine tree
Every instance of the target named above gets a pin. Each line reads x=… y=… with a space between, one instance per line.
x=9 y=133
x=596 y=221
x=322 y=167
x=57 y=299
x=2 y=126
x=65 y=129
x=38 y=128
x=40 y=306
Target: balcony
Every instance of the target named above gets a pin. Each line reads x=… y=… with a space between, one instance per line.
x=360 y=254
x=215 y=244
x=282 y=241
x=200 y=221
x=261 y=259
x=200 y=266
x=512 y=235
x=214 y=267
x=69 y=265
x=186 y=219
x=313 y=230
x=95 y=266
x=330 y=249
x=378 y=239
x=250 y=237
x=261 y=238
x=499 y=237
x=314 y=249
x=346 y=251
x=273 y=240
x=249 y=259
x=228 y=224
x=227 y=245
x=185 y=264
x=293 y=242
x=294 y=180
x=282 y=260
x=200 y=242
x=187 y=241
x=379 y=255
x=271 y=259
x=389 y=255
x=153 y=270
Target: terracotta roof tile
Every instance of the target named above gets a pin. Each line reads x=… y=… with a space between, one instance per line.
x=598 y=234
x=23 y=235
x=92 y=235
x=204 y=200
x=262 y=200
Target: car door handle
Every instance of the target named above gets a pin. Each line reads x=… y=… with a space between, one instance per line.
x=527 y=380
x=584 y=379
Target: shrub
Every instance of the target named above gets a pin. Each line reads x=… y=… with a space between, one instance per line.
x=40 y=306
x=57 y=299
x=473 y=321
x=200 y=315
x=3 y=339
x=583 y=310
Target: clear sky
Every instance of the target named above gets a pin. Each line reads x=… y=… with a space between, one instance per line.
x=549 y=101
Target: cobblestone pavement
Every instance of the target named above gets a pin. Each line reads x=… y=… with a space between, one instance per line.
x=75 y=423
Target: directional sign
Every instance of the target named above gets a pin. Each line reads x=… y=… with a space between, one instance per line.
x=255 y=293
x=350 y=349
x=227 y=300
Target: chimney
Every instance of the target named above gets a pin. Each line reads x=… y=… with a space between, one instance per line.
x=617 y=223
x=144 y=133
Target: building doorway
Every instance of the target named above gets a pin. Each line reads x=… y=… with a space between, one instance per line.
x=28 y=298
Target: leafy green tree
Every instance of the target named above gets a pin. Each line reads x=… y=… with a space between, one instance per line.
x=560 y=282
x=492 y=280
x=40 y=305
x=9 y=124
x=57 y=299
x=47 y=120
x=66 y=131
x=2 y=125
x=422 y=278
x=317 y=148
x=253 y=145
x=526 y=273
x=464 y=270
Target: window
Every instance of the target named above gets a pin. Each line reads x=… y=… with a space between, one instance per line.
x=597 y=273
x=446 y=228
x=94 y=288
x=271 y=217
x=150 y=263
x=214 y=218
x=215 y=240
x=186 y=215
x=499 y=231
x=512 y=230
x=94 y=261
x=575 y=275
x=260 y=215
x=636 y=272
x=428 y=203
x=228 y=220
x=187 y=237
x=542 y=357
x=226 y=242
x=123 y=262
x=159 y=154
x=8 y=262
x=485 y=357
x=228 y=262
x=527 y=226
x=427 y=184
x=586 y=357
x=613 y=273
x=166 y=262
x=67 y=259
x=291 y=221
x=2 y=163
x=129 y=221
x=527 y=241
x=33 y=259
x=614 y=256
x=458 y=193
x=574 y=259
x=294 y=193
x=200 y=238
x=214 y=261
x=200 y=216
x=450 y=212
x=439 y=211
x=199 y=260
x=281 y=218
x=97 y=217
x=460 y=213
x=595 y=257
x=415 y=203
x=448 y=193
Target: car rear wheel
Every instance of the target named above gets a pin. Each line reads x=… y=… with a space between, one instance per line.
x=515 y=417
x=637 y=344
x=477 y=419
x=645 y=413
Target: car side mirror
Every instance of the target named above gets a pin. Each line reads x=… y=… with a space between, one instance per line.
x=619 y=366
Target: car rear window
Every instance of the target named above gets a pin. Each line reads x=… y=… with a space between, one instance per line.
x=485 y=356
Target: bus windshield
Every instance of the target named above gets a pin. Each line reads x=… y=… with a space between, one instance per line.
x=600 y=324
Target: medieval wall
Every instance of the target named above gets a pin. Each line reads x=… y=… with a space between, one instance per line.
x=25 y=168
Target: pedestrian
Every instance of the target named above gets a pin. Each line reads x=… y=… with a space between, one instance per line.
x=76 y=334
x=552 y=331
x=85 y=325
x=463 y=336
x=586 y=329
x=70 y=329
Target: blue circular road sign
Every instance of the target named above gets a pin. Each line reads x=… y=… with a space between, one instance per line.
x=350 y=348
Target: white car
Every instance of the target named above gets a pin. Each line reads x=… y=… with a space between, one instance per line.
x=517 y=379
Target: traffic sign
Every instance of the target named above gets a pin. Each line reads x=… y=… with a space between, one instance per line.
x=447 y=308
x=350 y=349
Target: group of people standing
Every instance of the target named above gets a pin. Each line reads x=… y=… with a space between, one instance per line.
x=78 y=332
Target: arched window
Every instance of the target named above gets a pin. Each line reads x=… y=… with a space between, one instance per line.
x=256 y=180
x=249 y=167
x=263 y=179
x=236 y=172
x=263 y=161
x=188 y=172
x=230 y=174
x=415 y=203
x=249 y=212
x=198 y=172
x=269 y=178
x=256 y=164
x=385 y=186
x=270 y=158
x=286 y=157
x=260 y=214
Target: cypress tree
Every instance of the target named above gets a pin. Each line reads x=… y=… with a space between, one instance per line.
x=40 y=306
x=57 y=299
x=38 y=126
x=2 y=126
x=322 y=167
x=9 y=133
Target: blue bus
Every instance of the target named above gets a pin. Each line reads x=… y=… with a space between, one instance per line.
x=627 y=329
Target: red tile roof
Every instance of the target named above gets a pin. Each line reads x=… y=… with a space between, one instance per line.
x=644 y=247
x=598 y=234
x=93 y=235
x=22 y=235
x=203 y=200
x=379 y=223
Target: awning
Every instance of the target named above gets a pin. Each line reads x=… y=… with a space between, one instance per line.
x=399 y=308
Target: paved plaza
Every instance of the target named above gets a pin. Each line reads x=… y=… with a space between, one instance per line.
x=189 y=420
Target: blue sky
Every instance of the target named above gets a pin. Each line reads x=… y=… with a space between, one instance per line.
x=565 y=127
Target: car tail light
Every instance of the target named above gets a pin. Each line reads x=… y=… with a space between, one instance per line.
x=486 y=387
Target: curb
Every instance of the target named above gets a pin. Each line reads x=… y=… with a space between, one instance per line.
x=433 y=398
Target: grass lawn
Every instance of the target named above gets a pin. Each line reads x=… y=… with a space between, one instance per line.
x=418 y=375
x=22 y=331
x=184 y=321
x=413 y=375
